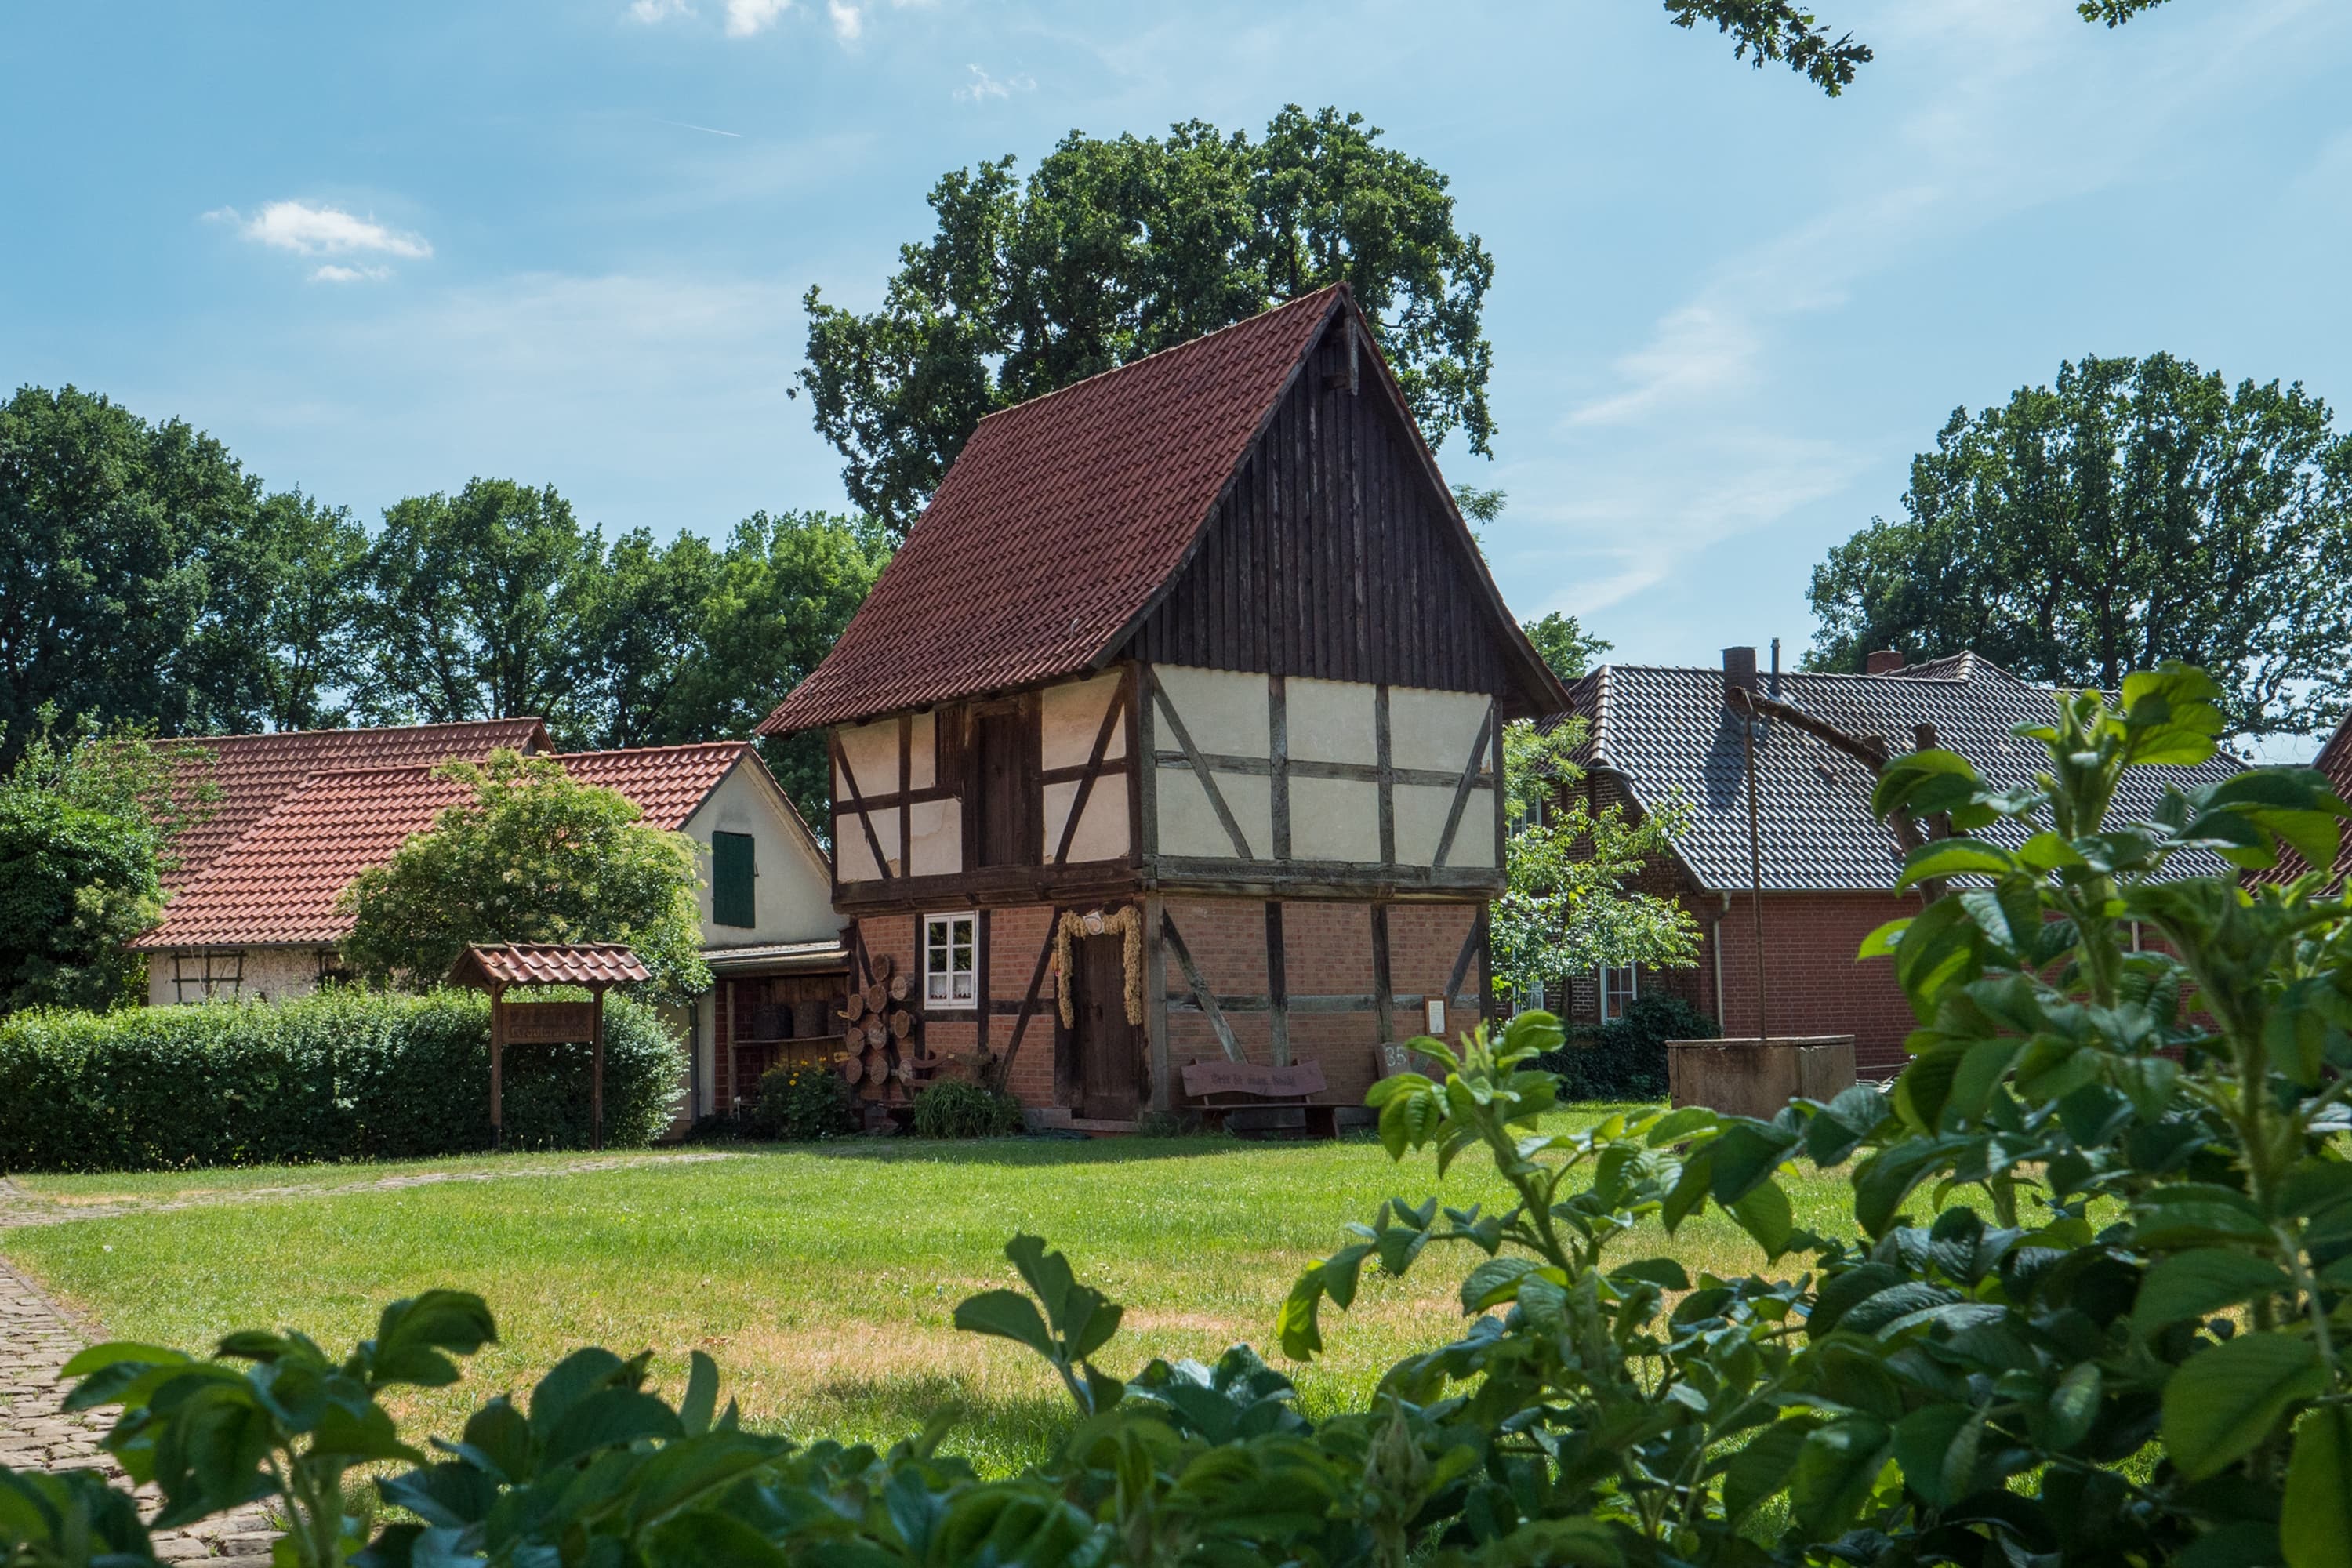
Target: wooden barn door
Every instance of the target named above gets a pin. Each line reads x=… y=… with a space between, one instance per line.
x=1109 y=1049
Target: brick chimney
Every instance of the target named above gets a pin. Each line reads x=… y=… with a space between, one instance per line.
x=1738 y=669
x=1885 y=662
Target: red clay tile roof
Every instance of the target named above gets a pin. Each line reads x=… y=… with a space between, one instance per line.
x=1057 y=522
x=254 y=773
x=548 y=963
x=277 y=884
x=666 y=782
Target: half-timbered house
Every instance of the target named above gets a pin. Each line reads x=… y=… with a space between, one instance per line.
x=1174 y=730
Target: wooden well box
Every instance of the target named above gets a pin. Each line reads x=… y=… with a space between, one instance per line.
x=1757 y=1078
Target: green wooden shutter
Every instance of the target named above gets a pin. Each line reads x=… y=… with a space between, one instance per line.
x=732 y=870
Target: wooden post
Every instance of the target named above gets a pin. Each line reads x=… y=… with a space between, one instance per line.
x=1754 y=875
x=1383 y=982
x=1155 y=1001
x=596 y=1075
x=498 y=1046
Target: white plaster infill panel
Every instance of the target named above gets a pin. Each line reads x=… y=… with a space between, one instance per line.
x=1102 y=832
x=1330 y=722
x=1069 y=717
x=1335 y=819
x=936 y=842
x=1421 y=811
x=872 y=753
x=1223 y=711
x=1435 y=730
x=1189 y=824
x=922 y=753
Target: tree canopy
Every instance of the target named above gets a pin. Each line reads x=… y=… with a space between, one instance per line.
x=87 y=825
x=1784 y=32
x=2139 y=511
x=1568 y=907
x=130 y=582
x=1114 y=248
x=534 y=856
x=1565 y=645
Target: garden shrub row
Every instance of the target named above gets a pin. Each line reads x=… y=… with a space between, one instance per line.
x=347 y=1074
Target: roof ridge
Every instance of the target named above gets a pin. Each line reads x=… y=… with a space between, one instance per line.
x=647 y=750
x=352 y=730
x=1266 y=315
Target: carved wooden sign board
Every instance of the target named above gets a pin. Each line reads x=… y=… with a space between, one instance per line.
x=547 y=1023
x=1248 y=1077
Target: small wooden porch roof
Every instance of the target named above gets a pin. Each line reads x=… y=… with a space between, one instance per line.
x=597 y=964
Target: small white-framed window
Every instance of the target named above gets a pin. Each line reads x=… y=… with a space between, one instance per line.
x=950 y=959
x=1618 y=989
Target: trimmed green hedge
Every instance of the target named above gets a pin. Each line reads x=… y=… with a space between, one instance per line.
x=345 y=1075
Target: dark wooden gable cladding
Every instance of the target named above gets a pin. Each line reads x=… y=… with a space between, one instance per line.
x=1331 y=553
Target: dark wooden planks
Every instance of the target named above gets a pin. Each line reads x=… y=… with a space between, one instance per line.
x=1332 y=557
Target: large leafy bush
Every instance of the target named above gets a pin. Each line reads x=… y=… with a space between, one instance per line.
x=346 y=1074
x=2090 y=1315
x=1626 y=1058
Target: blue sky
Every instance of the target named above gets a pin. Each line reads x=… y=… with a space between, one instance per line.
x=379 y=249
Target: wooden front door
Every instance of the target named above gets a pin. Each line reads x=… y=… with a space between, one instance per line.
x=1109 y=1049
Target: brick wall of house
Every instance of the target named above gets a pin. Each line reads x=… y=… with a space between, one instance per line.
x=1327 y=951
x=1814 y=983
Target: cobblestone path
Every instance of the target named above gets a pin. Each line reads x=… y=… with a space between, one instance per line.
x=36 y=1340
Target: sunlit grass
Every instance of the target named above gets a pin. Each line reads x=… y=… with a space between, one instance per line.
x=821 y=1279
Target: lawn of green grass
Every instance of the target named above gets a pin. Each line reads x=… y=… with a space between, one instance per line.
x=821 y=1278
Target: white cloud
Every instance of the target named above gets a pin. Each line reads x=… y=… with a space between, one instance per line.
x=333 y=273
x=308 y=230
x=848 y=23
x=745 y=17
x=982 y=86
x=651 y=11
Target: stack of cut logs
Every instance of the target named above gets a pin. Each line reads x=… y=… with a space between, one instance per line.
x=879 y=1043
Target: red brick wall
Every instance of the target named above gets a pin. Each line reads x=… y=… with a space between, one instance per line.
x=1327 y=951
x=1014 y=939
x=1813 y=984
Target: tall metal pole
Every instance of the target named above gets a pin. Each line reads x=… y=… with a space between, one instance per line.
x=1755 y=872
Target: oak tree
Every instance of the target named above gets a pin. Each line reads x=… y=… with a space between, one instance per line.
x=2139 y=510
x=1114 y=248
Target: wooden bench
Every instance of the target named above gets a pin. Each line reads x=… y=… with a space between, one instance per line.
x=1254 y=1102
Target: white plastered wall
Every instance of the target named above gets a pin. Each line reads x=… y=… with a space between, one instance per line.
x=269 y=975
x=1227 y=713
x=792 y=889
x=869 y=754
x=1069 y=717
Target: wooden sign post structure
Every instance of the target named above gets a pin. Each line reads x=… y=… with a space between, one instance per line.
x=496 y=968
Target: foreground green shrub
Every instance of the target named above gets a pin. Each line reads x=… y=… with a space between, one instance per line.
x=951 y=1109
x=1626 y=1060
x=345 y=1075
x=2091 y=1312
x=802 y=1103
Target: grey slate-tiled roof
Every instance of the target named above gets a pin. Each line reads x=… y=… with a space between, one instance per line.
x=1667 y=731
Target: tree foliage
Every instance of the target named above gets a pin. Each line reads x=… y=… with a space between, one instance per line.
x=1782 y=31
x=534 y=856
x=1565 y=645
x=1567 y=908
x=76 y=884
x=2139 y=511
x=1114 y=248
x=130 y=581
x=473 y=600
